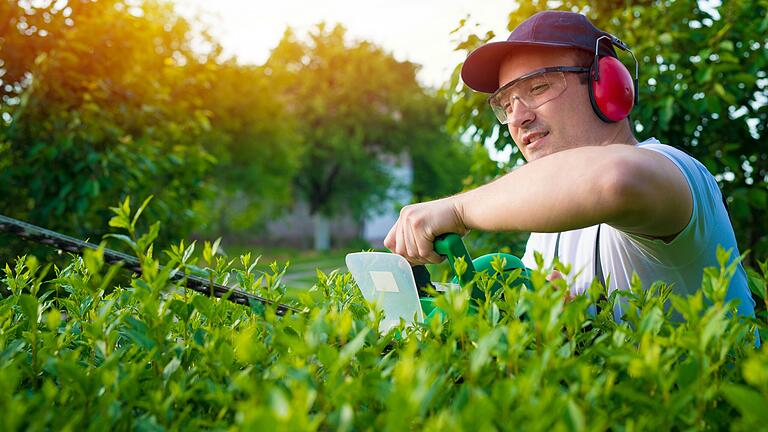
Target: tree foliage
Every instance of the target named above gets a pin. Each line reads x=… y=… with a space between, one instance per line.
x=110 y=108
x=358 y=109
x=257 y=146
x=703 y=79
x=108 y=98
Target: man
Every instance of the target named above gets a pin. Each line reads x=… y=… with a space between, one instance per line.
x=590 y=193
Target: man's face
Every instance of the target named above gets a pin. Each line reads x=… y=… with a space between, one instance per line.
x=564 y=122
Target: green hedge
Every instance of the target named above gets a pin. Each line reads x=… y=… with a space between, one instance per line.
x=79 y=350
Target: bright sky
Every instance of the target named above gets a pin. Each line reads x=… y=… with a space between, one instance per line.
x=414 y=30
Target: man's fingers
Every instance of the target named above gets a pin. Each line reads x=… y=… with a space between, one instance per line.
x=557 y=275
x=400 y=243
x=405 y=246
x=390 y=239
x=554 y=275
x=411 y=247
x=427 y=251
x=411 y=236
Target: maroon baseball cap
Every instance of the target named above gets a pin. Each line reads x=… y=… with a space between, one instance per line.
x=545 y=29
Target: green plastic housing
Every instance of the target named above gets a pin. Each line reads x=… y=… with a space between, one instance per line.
x=452 y=247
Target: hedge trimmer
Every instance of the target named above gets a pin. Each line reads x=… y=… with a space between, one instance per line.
x=400 y=289
x=386 y=278
x=196 y=283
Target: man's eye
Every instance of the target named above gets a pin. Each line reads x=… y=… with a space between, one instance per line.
x=538 y=89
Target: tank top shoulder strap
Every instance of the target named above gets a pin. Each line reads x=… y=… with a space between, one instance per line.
x=598 y=266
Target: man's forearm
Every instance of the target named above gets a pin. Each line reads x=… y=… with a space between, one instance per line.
x=567 y=190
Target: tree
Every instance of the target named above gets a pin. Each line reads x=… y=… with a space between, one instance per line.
x=702 y=89
x=441 y=166
x=107 y=99
x=256 y=143
x=110 y=107
x=356 y=105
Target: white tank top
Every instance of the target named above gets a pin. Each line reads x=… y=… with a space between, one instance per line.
x=680 y=262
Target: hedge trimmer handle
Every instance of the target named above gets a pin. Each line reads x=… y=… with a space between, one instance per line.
x=452 y=246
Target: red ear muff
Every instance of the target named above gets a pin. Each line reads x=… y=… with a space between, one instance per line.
x=611 y=89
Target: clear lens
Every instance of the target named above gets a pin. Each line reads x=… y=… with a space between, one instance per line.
x=532 y=92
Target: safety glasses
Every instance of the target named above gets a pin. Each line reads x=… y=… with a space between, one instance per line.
x=532 y=90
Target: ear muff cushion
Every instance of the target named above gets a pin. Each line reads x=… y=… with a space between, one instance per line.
x=613 y=94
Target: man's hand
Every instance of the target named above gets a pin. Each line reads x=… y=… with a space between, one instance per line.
x=414 y=233
x=557 y=275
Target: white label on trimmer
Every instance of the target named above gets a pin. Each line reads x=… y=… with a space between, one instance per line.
x=384 y=281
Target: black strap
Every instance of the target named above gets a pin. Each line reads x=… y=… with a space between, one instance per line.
x=598 y=268
x=599 y=272
x=598 y=264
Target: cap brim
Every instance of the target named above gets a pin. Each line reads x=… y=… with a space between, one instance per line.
x=480 y=71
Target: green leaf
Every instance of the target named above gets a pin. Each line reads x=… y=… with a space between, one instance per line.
x=137 y=331
x=726 y=45
x=714 y=327
x=755 y=372
x=171 y=367
x=688 y=373
x=119 y=222
x=351 y=348
x=758 y=198
x=94 y=259
x=720 y=90
x=704 y=74
x=145 y=241
x=181 y=309
x=748 y=402
x=204 y=305
x=757 y=285
x=188 y=251
x=29 y=306
x=140 y=210
x=575 y=416
x=665 y=113
x=123 y=238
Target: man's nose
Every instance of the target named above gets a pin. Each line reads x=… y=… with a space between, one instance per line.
x=520 y=114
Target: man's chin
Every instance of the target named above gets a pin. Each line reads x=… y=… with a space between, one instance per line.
x=537 y=150
x=534 y=154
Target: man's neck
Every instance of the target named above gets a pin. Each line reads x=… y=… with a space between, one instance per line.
x=623 y=135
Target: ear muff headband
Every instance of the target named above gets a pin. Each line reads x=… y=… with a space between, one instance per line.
x=612 y=90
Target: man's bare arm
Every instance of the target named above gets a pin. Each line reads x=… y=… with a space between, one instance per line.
x=631 y=189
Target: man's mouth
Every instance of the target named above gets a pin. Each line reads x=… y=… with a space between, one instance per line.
x=532 y=137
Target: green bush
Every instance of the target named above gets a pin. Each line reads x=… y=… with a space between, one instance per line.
x=78 y=352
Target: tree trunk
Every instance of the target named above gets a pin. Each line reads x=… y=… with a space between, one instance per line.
x=322 y=232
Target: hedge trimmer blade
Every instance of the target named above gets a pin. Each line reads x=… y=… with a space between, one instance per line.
x=196 y=283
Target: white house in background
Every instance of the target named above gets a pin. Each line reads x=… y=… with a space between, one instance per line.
x=376 y=226
x=297 y=228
